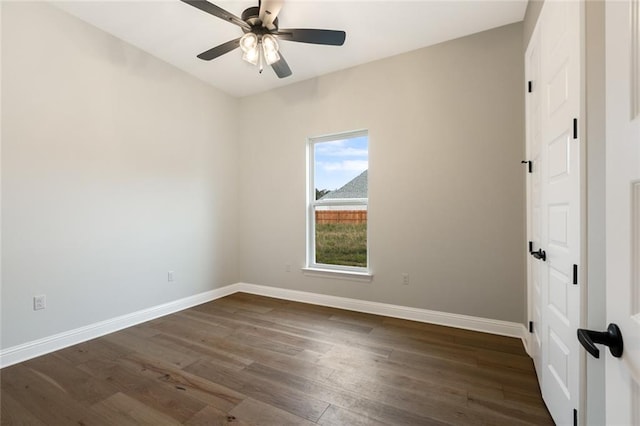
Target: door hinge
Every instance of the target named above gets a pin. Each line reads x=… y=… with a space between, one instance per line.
x=530 y=246
x=530 y=86
x=530 y=163
x=575 y=274
x=575 y=128
x=530 y=326
x=575 y=417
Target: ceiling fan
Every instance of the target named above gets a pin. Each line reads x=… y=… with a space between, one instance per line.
x=260 y=26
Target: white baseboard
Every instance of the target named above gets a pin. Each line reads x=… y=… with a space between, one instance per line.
x=35 y=348
x=25 y=351
x=526 y=340
x=502 y=328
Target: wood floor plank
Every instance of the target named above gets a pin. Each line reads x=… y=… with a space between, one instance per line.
x=252 y=360
x=323 y=337
x=260 y=337
x=121 y=409
x=488 y=341
x=265 y=343
x=286 y=338
x=398 y=406
x=398 y=385
x=44 y=400
x=183 y=325
x=266 y=391
x=211 y=416
x=170 y=401
x=206 y=350
x=509 y=408
x=93 y=349
x=13 y=413
x=505 y=360
x=360 y=341
x=428 y=367
x=240 y=318
x=148 y=347
x=236 y=355
x=254 y=412
x=530 y=395
x=434 y=354
x=402 y=327
x=338 y=416
x=173 y=378
x=321 y=323
x=367 y=320
x=68 y=379
x=507 y=413
x=237 y=304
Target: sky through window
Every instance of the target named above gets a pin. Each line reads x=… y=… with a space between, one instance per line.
x=338 y=162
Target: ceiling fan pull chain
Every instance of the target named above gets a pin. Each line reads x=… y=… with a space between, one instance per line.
x=260 y=56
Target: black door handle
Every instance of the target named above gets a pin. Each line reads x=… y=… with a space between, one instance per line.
x=612 y=338
x=540 y=254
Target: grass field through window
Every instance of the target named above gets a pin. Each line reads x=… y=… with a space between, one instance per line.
x=342 y=244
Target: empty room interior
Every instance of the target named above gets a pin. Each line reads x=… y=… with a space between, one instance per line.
x=410 y=220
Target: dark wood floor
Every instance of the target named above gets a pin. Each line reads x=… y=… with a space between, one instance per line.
x=251 y=360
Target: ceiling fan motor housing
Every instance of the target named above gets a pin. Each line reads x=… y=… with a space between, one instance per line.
x=252 y=17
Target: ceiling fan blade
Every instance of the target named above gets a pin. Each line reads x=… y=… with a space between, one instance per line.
x=281 y=68
x=219 y=12
x=329 y=37
x=269 y=10
x=220 y=50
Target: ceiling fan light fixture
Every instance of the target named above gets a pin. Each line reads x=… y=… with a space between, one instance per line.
x=271 y=57
x=269 y=42
x=252 y=56
x=270 y=49
x=248 y=42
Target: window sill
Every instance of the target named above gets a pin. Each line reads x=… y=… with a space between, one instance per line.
x=336 y=274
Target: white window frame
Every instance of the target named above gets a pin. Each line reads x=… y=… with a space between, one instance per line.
x=313 y=268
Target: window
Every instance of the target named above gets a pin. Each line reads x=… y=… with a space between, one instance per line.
x=338 y=202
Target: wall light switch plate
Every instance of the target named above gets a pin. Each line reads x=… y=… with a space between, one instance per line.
x=170 y=276
x=405 y=279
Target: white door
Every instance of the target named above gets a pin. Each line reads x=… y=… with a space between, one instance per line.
x=560 y=207
x=623 y=208
x=534 y=200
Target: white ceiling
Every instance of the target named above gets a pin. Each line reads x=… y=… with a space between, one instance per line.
x=176 y=32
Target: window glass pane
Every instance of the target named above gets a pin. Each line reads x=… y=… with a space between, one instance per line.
x=338 y=222
x=340 y=169
x=341 y=235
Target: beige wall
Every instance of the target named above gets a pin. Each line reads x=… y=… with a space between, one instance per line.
x=446 y=187
x=116 y=168
x=594 y=102
x=530 y=18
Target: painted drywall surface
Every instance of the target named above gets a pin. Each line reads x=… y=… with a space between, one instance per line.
x=594 y=33
x=446 y=187
x=530 y=19
x=0 y=175
x=116 y=168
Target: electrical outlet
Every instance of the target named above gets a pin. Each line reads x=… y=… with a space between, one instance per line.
x=287 y=267
x=170 y=276
x=39 y=302
x=405 y=278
